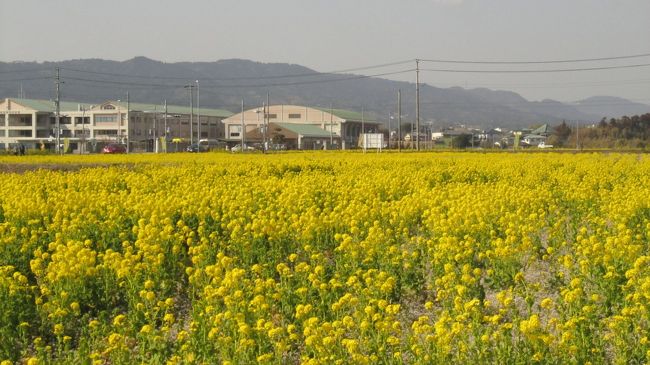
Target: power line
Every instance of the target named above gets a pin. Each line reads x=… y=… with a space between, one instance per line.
x=549 y=85
x=307 y=74
x=238 y=85
x=123 y=82
x=538 y=62
x=538 y=71
x=27 y=79
x=543 y=104
x=357 y=77
x=26 y=70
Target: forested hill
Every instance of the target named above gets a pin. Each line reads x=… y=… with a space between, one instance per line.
x=224 y=83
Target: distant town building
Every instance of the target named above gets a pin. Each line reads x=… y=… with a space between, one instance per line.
x=533 y=139
x=537 y=136
x=343 y=126
x=294 y=136
x=88 y=127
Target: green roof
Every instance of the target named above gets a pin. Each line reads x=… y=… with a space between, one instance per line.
x=544 y=129
x=346 y=114
x=305 y=130
x=175 y=109
x=48 y=106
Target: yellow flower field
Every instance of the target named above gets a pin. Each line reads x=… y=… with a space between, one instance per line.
x=326 y=258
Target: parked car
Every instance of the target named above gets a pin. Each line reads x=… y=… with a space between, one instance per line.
x=114 y=148
x=237 y=148
x=206 y=145
x=194 y=147
x=544 y=145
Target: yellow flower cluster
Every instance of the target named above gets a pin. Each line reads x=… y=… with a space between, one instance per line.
x=326 y=258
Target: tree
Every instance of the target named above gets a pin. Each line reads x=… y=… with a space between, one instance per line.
x=461 y=141
x=561 y=134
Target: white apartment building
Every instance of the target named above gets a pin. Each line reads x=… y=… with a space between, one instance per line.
x=88 y=127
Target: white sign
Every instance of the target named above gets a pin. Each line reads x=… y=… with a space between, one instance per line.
x=372 y=140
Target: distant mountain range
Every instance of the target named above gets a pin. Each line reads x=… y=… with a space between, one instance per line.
x=224 y=83
x=610 y=106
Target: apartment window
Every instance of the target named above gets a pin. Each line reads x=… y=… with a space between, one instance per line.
x=80 y=120
x=108 y=107
x=106 y=118
x=234 y=131
x=294 y=116
x=271 y=116
x=2 y=132
x=20 y=120
x=42 y=120
x=80 y=133
x=105 y=132
x=20 y=133
x=41 y=133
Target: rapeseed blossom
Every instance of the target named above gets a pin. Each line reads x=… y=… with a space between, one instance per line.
x=327 y=258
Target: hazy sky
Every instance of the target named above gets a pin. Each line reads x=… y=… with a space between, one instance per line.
x=341 y=34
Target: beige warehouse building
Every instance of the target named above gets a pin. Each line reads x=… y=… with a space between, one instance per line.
x=88 y=127
x=341 y=127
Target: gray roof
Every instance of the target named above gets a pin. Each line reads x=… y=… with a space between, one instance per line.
x=543 y=129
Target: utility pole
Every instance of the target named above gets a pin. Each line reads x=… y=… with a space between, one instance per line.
x=82 y=147
x=263 y=126
x=57 y=117
x=577 y=134
x=266 y=115
x=331 y=125
x=190 y=87
x=399 y=120
x=165 y=134
x=198 y=112
x=22 y=93
x=243 y=126
x=363 y=131
x=389 y=117
x=119 y=122
x=155 y=129
x=417 y=103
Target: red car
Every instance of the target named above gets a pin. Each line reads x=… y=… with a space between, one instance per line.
x=114 y=148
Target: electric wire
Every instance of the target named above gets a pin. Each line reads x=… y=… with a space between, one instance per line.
x=27 y=79
x=25 y=70
x=539 y=71
x=538 y=62
x=357 y=77
x=307 y=74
